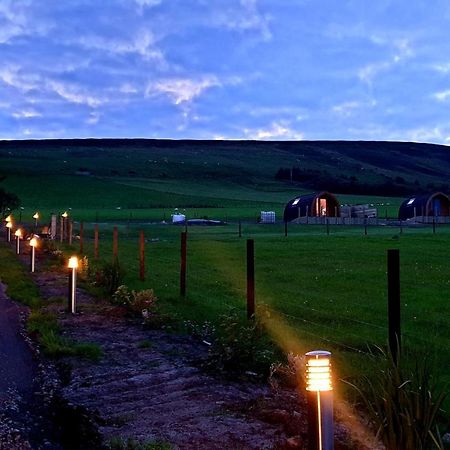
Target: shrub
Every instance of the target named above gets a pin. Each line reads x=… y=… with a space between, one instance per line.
x=143 y=301
x=111 y=276
x=241 y=347
x=404 y=405
x=122 y=296
x=137 y=302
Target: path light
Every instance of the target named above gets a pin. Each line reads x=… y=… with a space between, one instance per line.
x=320 y=400
x=9 y=225
x=33 y=245
x=36 y=218
x=18 y=235
x=64 y=216
x=8 y=218
x=73 y=264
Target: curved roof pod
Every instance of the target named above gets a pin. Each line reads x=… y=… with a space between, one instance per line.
x=437 y=204
x=319 y=204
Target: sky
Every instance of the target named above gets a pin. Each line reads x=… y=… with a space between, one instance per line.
x=225 y=69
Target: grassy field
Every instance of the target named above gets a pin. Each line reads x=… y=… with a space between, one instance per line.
x=319 y=291
x=322 y=291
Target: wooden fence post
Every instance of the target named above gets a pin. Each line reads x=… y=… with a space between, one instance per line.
x=142 y=256
x=96 y=241
x=183 y=264
x=81 y=237
x=393 y=266
x=115 y=243
x=250 y=279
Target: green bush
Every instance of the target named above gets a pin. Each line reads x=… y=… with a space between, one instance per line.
x=241 y=347
x=111 y=276
x=141 y=303
x=404 y=404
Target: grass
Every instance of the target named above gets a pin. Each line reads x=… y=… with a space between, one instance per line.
x=318 y=291
x=41 y=324
x=119 y=443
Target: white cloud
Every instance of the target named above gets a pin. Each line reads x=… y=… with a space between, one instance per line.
x=401 y=51
x=14 y=76
x=442 y=68
x=276 y=131
x=149 y=3
x=347 y=109
x=442 y=96
x=74 y=94
x=128 y=88
x=182 y=90
x=142 y=43
x=247 y=18
x=26 y=114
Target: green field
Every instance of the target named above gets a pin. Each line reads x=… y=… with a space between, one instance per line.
x=326 y=291
x=319 y=291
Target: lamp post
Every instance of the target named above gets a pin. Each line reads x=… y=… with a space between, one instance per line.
x=320 y=400
x=33 y=245
x=18 y=235
x=9 y=225
x=64 y=216
x=73 y=264
x=36 y=218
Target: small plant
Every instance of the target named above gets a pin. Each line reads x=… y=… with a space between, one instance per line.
x=111 y=276
x=122 y=296
x=241 y=347
x=205 y=331
x=286 y=374
x=404 y=405
x=84 y=268
x=143 y=301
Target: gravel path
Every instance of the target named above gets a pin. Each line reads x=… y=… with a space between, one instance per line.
x=17 y=372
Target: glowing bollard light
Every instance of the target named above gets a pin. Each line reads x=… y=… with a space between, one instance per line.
x=73 y=264
x=33 y=245
x=18 y=235
x=64 y=217
x=36 y=218
x=320 y=400
x=9 y=225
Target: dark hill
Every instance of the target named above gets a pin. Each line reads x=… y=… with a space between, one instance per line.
x=356 y=167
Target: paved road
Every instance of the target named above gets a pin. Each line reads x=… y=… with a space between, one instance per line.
x=16 y=360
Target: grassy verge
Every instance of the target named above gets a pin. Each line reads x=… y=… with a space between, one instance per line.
x=40 y=324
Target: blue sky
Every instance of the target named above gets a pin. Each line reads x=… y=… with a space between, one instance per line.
x=225 y=69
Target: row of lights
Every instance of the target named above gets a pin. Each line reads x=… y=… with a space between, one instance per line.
x=318 y=363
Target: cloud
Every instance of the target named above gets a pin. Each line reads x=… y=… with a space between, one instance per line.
x=26 y=114
x=246 y=18
x=14 y=76
x=182 y=90
x=276 y=131
x=74 y=94
x=400 y=50
x=347 y=109
x=142 y=43
x=442 y=96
